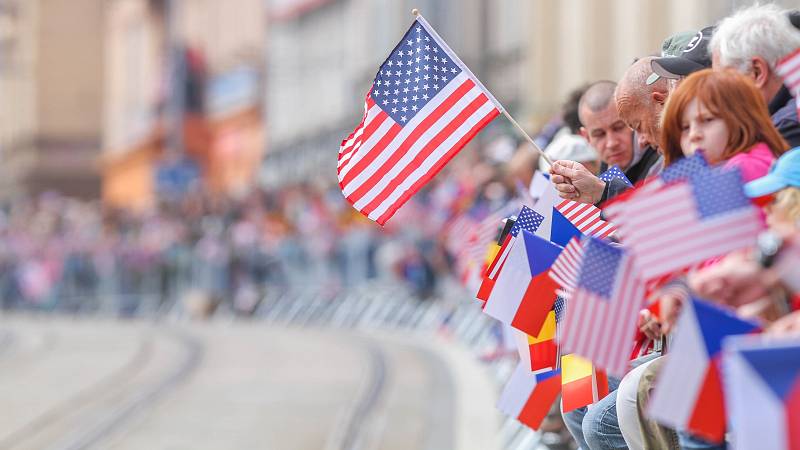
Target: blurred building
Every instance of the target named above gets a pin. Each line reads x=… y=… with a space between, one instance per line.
x=184 y=98
x=94 y=91
x=323 y=55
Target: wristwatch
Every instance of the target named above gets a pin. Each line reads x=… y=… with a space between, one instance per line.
x=769 y=245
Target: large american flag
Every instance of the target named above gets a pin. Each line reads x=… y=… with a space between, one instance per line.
x=690 y=222
x=423 y=107
x=789 y=69
x=601 y=319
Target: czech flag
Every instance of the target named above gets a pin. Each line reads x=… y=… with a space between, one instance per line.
x=688 y=394
x=528 y=396
x=762 y=391
x=524 y=293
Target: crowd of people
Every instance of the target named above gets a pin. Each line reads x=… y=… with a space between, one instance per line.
x=715 y=91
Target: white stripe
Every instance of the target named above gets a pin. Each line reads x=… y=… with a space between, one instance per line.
x=389 y=150
x=510 y=286
x=415 y=148
x=517 y=391
x=683 y=373
x=433 y=158
x=502 y=258
x=371 y=141
x=371 y=114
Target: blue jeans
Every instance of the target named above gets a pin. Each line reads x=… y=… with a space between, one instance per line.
x=596 y=428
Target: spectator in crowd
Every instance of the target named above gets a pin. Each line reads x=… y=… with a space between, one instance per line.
x=569 y=143
x=752 y=41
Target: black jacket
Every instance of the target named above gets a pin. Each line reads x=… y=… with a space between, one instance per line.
x=783 y=110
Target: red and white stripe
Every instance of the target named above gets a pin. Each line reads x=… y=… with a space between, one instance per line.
x=387 y=163
x=602 y=329
x=566 y=267
x=586 y=217
x=789 y=69
x=666 y=233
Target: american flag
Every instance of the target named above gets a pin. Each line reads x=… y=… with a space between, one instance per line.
x=615 y=172
x=690 y=222
x=601 y=319
x=423 y=107
x=586 y=218
x=566 y=267
x=789 y=69
x=527 y=219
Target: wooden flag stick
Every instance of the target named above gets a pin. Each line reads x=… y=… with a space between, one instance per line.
x=415 y=12
x=541 y=152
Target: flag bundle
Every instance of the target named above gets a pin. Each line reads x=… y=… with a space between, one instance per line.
x=423 y=107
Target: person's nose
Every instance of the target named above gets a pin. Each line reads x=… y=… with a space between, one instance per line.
x=695 y=134
x=643 y=140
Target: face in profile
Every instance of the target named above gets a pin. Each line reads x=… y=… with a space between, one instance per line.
x=701 y=129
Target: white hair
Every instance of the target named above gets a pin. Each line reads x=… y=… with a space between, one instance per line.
x=756 y=31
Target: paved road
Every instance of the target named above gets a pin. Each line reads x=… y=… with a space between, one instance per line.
x=75 y=384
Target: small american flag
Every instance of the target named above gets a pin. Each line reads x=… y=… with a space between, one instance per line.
x=601 y=319
x=789 y=69
x=527 y=219
x=615 y=173
x=423 y=107
x=690 y=222
x=586 y=218
x=566 y=267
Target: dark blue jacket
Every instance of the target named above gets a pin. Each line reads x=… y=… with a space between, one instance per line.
x=783 y=110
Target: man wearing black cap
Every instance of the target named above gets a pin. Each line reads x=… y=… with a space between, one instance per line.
x=752 y=41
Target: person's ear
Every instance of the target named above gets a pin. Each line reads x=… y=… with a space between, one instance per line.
x=659 y=97
x=760 y=71
x=584 y=134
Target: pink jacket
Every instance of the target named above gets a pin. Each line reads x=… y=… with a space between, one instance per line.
x=752 y=164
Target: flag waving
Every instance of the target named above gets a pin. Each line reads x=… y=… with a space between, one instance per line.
x=423 y=107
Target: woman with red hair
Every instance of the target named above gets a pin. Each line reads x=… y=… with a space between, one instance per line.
x=724 y=114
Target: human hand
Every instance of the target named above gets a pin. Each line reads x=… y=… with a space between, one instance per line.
x=670 y=307
x=649 y=324
x=789 y=324
x=573 y=181
x=736 y=280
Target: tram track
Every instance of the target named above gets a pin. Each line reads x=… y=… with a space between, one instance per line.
x=84 y=419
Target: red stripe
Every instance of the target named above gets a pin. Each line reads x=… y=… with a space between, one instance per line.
x=418 y=131
x=345 y=151
x=423 y=154
x=368 y=132
x=438 y=166
x=387 y=138
x=708 y=415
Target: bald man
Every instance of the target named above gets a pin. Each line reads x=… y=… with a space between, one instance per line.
x=639 y=105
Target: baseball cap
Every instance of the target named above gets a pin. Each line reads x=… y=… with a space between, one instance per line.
x=693 y=57
x=672 y=46
x=571 y=147
x=784 y=173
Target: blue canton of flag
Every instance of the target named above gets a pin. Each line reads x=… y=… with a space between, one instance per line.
x=685 y=168
x=719 y=192
x=415 y=71
x=599 y=268
x=527 y=219
x=615 y=172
